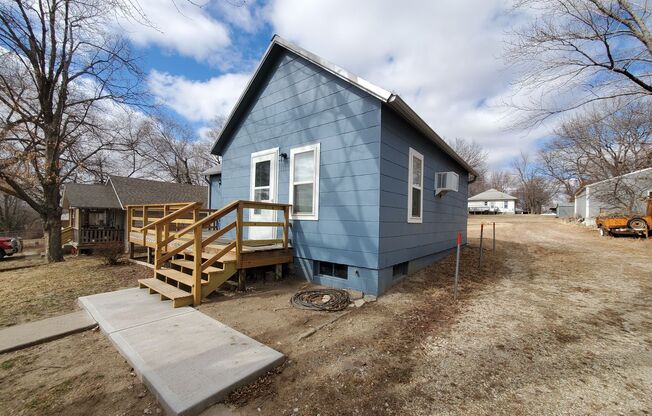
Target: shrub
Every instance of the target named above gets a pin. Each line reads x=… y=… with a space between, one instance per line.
x=111 y=252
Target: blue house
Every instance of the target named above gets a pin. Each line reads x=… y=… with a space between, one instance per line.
x=376 y=194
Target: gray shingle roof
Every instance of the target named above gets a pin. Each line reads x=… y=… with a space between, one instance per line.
x=492 y=195
x=120 y=191
x=81 y=195
x=133 y=191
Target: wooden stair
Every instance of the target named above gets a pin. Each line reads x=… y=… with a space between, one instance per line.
x=177 y=296
x=184 y=240
x=177 y=285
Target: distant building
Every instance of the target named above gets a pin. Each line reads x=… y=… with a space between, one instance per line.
x=492 y=202
x=613 y=194
x=96 y=212
x=565 y=210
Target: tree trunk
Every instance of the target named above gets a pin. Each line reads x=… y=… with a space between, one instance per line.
x=52 y=228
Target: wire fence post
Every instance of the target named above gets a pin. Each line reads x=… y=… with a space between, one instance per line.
x=493 y=250
x=457 y=264
x=480 y=257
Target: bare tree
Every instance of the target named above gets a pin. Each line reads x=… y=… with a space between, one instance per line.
x=581 y=51
x=62 y=73
x=500 y=180
x=14 y=213
x=606 y=141
x=476 y=156
x=534 y=190
x=176 y=152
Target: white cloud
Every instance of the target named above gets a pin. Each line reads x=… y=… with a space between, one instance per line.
x=178 y=26
x=443 y=57
x=198 y=101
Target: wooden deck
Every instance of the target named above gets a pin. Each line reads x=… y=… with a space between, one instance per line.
x=254 y=253
x=190 y=253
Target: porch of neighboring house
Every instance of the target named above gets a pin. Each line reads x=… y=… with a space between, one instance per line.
x=92 y=227
x=194 y=250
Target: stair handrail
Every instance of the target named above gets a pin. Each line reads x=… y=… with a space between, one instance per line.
x=208 y=219
x=198 y=242
x=172 y=216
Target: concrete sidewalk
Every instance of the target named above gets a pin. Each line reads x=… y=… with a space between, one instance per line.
x=33 y=333
x=188 y=360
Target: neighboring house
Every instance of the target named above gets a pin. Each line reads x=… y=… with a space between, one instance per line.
x=492 y=201
x=97 y=213
x=614 y=194
x=375 y=192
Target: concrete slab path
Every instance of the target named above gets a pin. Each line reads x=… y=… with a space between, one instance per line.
x=188 y=360
x=26 y=335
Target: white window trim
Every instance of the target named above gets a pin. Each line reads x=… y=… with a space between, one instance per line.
x=417 y=220
x=315 y=148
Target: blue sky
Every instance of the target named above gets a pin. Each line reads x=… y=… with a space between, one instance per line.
x=443 y=57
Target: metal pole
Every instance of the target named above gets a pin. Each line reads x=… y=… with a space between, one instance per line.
x=494 y=242
x=457 y=263
x=481 y=232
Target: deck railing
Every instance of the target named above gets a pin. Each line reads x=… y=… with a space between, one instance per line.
x=88 y=236
x=166 y=228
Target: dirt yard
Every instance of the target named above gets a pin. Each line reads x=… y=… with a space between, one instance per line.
x=556 y=322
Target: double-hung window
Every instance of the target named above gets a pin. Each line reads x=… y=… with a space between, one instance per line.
x=304 y=182
x=415 y=187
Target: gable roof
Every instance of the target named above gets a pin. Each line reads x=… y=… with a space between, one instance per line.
x=119 y=192
x=135 y=191
x=79 y=195
x=393 y=101
x=492 y=195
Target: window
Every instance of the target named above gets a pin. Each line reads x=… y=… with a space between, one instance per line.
x=485 y=203
x=325 y=268
x=505 y=205
x=304 y=182
x=400 y=270
x=415 y=187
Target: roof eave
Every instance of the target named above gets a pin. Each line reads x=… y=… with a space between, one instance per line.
x=403 y=109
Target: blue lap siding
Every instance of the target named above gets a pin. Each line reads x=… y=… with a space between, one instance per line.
x=363 y=174
x=300 y=104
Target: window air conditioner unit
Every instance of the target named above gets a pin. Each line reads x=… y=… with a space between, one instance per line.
x=446 y=182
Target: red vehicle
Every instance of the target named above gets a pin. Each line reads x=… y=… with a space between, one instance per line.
x=10 y=245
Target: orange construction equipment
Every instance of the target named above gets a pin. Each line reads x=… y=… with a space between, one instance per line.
x=627 y=224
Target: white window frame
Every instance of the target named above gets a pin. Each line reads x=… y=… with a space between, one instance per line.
x=315 y=148
x=411 y=155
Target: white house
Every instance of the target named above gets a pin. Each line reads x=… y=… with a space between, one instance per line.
x=613 y=194
x=492 y=201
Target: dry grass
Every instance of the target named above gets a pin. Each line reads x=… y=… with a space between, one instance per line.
x=557 y=322
x=41 y=291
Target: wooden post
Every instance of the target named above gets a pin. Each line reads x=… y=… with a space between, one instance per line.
x=480 y=257
x=157 y=249
x=144 y=224
x=132 y=246
x=493 y=250
x=166 y=226
x=196 y=273
x=278 y=272
x=242 y=274
x=238 y=235
x=286 y=226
